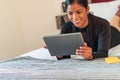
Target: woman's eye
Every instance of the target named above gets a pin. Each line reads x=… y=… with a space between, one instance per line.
x=79 y=12
x=70 y=13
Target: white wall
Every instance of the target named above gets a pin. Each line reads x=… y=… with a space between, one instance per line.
x=38 y=19
x=11 y=39
x=23 y=23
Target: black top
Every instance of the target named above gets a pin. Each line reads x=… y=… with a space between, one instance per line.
x=97 y=35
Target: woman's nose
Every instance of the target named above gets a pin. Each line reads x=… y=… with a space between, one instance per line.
x=75 y=16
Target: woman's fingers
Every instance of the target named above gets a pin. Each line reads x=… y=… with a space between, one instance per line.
x=85 y=44
x=45 y=46
x=84 y=51
x=60 y=56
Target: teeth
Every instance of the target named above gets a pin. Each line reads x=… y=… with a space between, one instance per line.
x=76 y=21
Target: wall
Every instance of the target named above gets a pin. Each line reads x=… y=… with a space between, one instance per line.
x=23 y=23
x=38 y=19
x=11 y=39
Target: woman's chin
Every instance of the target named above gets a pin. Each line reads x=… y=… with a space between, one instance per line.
x=79 y=26
x=76 y=24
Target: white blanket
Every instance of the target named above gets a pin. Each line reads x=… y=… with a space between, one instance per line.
x=43 y=53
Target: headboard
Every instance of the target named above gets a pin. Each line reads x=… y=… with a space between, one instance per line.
x=105 y=9
x=97 y=1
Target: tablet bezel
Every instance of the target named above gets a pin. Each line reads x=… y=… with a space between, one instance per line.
x=63 y=44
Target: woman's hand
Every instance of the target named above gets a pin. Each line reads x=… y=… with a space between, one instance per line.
x=45 y=46
x=59 y=57
x=85 y=51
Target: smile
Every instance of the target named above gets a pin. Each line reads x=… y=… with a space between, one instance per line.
x=76 y=21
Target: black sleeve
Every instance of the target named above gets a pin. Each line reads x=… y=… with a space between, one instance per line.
x=64 y=57
x=104 y=40
x=66 y=28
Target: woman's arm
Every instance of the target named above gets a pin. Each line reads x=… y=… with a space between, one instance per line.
x=104 y=40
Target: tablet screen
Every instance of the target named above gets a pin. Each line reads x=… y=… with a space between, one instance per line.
x=63 y=44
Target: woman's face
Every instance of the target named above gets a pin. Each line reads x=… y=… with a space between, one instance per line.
x=77 y=14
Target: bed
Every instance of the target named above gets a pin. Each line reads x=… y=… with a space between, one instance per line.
x=39 y=65
x=36 y=66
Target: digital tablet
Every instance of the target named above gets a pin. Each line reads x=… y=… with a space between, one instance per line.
x=63 y=44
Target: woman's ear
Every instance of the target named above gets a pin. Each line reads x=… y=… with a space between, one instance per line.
x=119 y=7
x=88 y=10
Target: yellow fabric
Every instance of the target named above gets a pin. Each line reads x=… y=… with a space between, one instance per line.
x=111 y=60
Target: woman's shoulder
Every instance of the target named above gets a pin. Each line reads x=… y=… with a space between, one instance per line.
x=67 y=25
x=99 y=24
x=97 y=19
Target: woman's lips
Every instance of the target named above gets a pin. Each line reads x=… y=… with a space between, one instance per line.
x=76 y=22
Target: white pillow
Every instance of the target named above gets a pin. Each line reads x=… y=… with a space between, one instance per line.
x=115 y=51
x=105 y=10
x=41 y=53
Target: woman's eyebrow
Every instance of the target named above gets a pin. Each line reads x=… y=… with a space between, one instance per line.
x=75 y=10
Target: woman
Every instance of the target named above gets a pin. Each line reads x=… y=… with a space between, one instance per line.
x=95 y=30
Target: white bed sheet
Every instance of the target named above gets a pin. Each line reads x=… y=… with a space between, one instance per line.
x=43 y=53
x=115 y=51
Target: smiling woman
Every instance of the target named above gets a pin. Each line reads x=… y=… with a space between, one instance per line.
x=95 y=30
